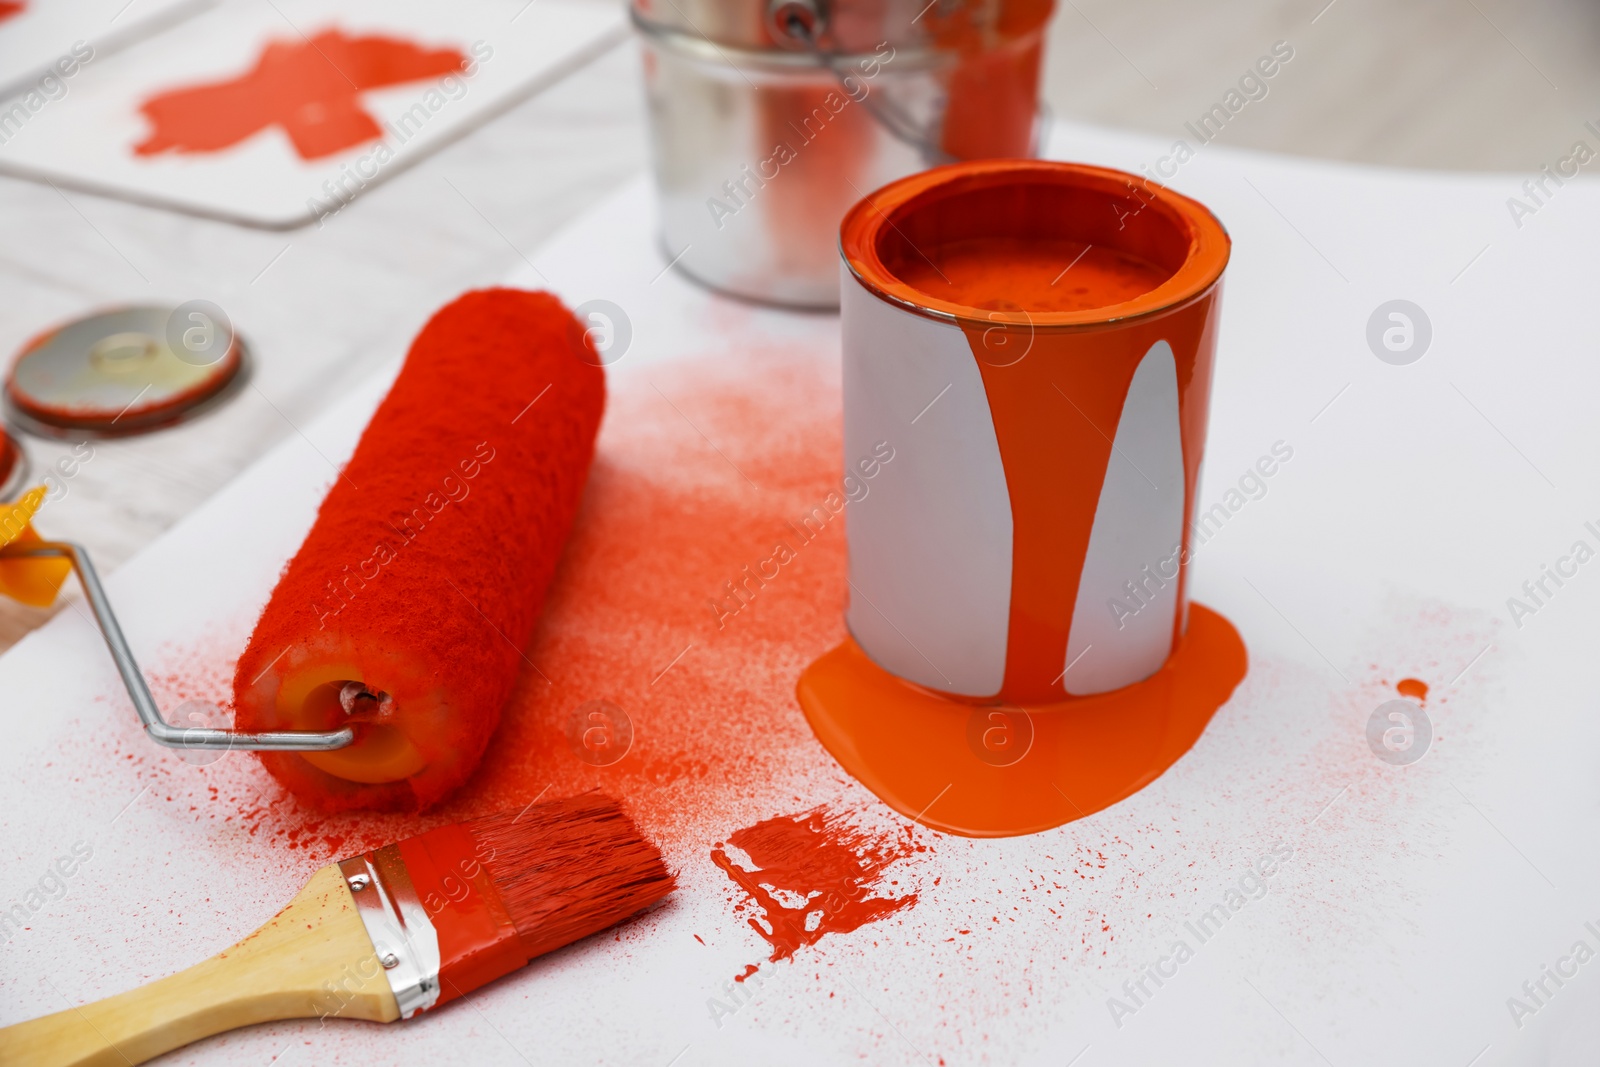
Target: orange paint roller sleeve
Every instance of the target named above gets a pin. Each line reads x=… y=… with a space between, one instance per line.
x=406 y=610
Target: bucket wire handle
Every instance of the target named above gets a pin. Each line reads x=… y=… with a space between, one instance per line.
x=161 y=731
x=805 y=22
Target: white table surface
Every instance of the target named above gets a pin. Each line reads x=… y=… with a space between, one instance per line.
x=1417 y=900
x=1420 y=499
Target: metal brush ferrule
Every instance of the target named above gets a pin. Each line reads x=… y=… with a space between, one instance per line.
x=402 y=934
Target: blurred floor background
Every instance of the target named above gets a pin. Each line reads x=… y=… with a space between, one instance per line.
x=1454 y=84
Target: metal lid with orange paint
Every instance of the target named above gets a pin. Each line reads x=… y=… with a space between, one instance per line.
x=125 y=371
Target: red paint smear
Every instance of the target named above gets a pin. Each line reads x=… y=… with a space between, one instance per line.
x=1413 y=688
x=820 y=857
x=310 y=88
x=749 y=969
x=666 y=523
x=9 y=8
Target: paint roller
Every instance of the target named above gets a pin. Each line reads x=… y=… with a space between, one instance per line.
x=405 y=613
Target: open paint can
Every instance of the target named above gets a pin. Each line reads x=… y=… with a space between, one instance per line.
x=1034 y=340
x=769 y=118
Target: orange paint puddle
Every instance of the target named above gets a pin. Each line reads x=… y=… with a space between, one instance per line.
x=311 y=89
x=813 y=874
x=919 y=752
x=1412 y=688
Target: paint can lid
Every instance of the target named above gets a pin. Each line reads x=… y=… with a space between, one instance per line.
x=125 y=371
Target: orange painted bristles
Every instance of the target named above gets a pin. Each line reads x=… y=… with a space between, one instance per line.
x=507 y=888
x=384 y=935
x=570 y=868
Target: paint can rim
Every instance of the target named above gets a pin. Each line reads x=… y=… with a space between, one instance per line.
x=868 y=220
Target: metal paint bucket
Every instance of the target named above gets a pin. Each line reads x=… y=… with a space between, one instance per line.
x=1033 y=544
x=769 y=118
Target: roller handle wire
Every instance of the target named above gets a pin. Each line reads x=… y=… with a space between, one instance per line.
x=161 y=731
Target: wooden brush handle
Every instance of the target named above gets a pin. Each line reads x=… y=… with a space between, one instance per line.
x=313 y=959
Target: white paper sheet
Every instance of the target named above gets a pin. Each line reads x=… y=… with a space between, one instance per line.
x=1415 y=900
x=86 y=138
x=36 y=34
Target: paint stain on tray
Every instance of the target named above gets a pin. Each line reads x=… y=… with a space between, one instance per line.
x=814 y=874
x=309 y=88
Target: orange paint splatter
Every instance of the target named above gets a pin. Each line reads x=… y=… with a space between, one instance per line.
x=749 y=969
x=813 y=874
x=311 y=89
x=708 y=696
x=1413 y=688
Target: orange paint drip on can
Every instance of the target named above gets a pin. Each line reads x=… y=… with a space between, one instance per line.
x=1040 y=336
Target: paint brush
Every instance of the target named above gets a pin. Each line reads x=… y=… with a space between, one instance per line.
x=384 y=935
